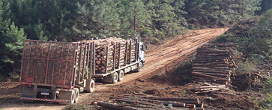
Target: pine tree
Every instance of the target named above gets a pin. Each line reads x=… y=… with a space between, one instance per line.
x=11 y=43
x=134 y=15
x=13 y=39
x=221 y=10
x=97 y=19
x=266 y=5
x=4 y=60
x=55 y=16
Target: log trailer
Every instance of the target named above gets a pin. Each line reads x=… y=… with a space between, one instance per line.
x=58 y=71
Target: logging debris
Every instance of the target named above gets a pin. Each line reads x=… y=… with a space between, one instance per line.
x=142 y=101
x=214 y=88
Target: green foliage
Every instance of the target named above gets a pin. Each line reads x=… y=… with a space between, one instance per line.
x=221 y=39
x=169 y=106
x=183 y=73
x=268 y=85
x=154 y=41
x=42 y=19
x=266 y=102
x=183 y=92
x=266 y=5
x=220 y=11
x=254 y=39
x=246 y=67
x=11 y=44
x=11 y=51
x=266 y=22
x=146 y=32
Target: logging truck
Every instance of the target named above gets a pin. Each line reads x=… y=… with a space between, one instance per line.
x=58 y=71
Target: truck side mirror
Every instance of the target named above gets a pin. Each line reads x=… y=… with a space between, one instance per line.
x=145 y=47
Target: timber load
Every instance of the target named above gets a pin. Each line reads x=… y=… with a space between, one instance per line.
x=112 y=53
x=214 y=63
x=53 y=63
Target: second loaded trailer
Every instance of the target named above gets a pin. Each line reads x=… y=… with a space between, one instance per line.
x=59 y=71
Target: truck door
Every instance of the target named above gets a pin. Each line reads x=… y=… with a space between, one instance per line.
x=141 y=52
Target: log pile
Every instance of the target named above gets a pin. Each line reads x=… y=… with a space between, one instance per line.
x=140 y=101
x=116 y=48
x=214 y=63
x=244 y=81
x=48 y=62
x=214 y=88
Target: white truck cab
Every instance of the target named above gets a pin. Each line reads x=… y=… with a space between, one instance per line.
x=141 y=53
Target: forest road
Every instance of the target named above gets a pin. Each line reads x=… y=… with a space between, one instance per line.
x=157 y=58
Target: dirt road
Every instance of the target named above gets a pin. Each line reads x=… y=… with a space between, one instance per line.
x=159 y=60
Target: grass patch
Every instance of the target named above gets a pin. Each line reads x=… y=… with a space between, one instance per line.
x=184 y=73
x=182 y=92
x=268 y=85
x=265 y=103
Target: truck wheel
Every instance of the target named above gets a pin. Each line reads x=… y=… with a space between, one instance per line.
x=121 y=75
x=89 y=86
x=140 y=65
x=67 y=95
x=112 y=78
x=76 y=95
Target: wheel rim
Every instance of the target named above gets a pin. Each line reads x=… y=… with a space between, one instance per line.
x=92 y=86
x=121 y=75
x=115 y=76
x=73 y=97
x=77 y=95
x=140 y=66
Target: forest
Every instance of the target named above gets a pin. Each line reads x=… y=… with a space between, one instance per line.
x=153 y=20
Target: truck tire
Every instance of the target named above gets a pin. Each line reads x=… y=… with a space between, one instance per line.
x=139 y=66
x=121 y=75
x=111 y=78
x=76 y=95
x=89 y=85
x=67 y=95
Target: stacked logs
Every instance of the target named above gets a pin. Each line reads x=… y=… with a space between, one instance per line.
x=81 y=61
x=47 y=62
x=110 y=53
x=213 y=63
x=139 y=101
